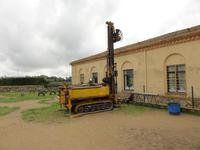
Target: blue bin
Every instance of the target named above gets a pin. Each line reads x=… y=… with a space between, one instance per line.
x=174 y=108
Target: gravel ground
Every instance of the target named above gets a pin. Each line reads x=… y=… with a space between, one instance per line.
x=108 y=131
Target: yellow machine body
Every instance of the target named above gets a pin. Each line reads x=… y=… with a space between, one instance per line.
x=72 y=97
x=87 y=92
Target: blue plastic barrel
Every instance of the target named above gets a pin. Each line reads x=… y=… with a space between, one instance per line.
x=174 y=108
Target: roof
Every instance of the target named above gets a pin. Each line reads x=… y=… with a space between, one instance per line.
x=181 y=36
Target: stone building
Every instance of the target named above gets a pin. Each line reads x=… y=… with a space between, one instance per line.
x=165 y=65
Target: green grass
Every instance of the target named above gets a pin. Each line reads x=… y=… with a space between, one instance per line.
x=44 y=114
x=16 y=97
x=6 y=110
x=46 y=101
x=52 y=113
x=135 y=109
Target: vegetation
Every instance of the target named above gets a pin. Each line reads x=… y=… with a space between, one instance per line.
x=45 y=101
x=54 y=81
x=44 y=114
x=69 y=80
x=35 y=80
x=6 y=110
x=17 y=97
x=9 y=81
x=135 y=109
x=53 y=114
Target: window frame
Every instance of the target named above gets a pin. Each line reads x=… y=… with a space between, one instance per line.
x=176 y=73
x=96 y=77
x=124 y=76
x=82 y=78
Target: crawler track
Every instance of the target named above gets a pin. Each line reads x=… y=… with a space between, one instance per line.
x=95 y=106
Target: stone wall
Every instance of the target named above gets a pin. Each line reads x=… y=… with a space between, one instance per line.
x=24 y=88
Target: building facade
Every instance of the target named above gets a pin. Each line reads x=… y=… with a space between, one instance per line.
x=165 y=65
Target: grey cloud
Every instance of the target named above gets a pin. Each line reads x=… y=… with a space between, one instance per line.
x=44 y=36
x=187 y=17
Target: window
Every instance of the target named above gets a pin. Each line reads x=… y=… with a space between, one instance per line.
x=95 y=77
x=176 y=78
x=82 y=78
x=128 y=79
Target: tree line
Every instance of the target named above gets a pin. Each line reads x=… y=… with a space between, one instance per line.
x=36 y=80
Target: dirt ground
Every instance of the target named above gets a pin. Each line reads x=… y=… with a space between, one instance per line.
x=101 y=131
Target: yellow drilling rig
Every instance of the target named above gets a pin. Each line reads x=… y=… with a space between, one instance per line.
x=95 y=97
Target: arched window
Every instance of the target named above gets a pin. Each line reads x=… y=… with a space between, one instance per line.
x=94 y=74
x=128 y=76
x=175 y=69
x=81 y=76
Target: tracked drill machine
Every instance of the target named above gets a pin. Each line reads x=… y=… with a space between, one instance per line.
x=94 y=97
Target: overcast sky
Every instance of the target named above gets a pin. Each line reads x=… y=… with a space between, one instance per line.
x=44 y=36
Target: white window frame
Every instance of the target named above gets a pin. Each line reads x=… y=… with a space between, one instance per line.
x=127 y=75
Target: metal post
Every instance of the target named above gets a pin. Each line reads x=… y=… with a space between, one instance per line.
x=192 y=90
x=115 y=74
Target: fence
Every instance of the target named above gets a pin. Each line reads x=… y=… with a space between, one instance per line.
x=162 y=101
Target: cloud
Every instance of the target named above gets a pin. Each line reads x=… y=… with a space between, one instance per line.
x=141 y=19
x=44 y=36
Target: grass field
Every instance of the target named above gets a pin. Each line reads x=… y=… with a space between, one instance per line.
x=6 y=110
x=17 y=97
x=134 y=109
x=52 y=113
x=44 y=114
x=45 y=101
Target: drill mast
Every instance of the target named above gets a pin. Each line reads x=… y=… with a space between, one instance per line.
x=114 y=35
